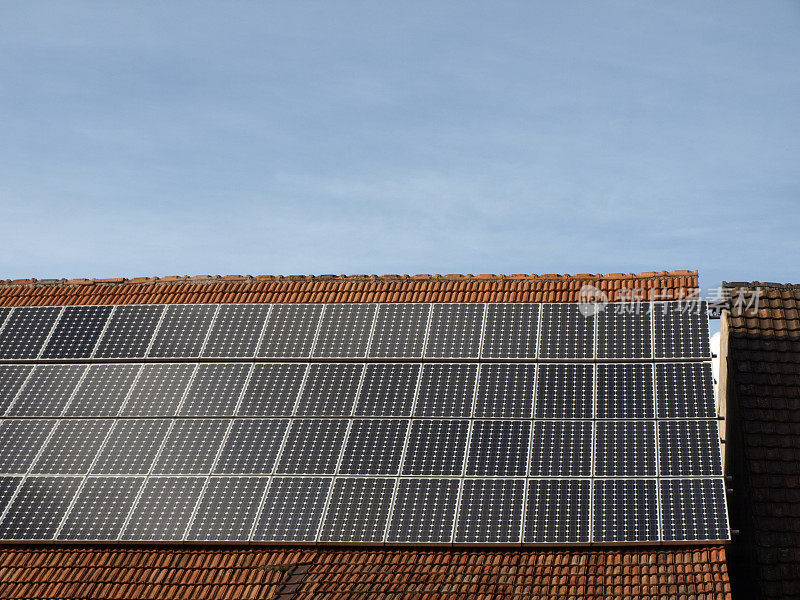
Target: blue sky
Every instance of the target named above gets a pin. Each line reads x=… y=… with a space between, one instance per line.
x=405 y=137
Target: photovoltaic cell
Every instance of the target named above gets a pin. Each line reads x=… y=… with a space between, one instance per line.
x=561 y=449
x=330 y=390
x=11 y=379
x=20 y=441
x=557 y=511
x=374 y=447
x=446 y=390
x=129 y=332
x=77 y=332
x=8 y=486
x=72 y=447
x=455 y=331
x=685 y=391
x=490 y=511
x=424 y=511
x=358 y=510
x=131 y=447
x=624 y=331
x=102 y=391
x=689 y=448
x=564 y=391
x=290 y=331
x=164 y=508
x=292 y=509
x=511 y=330
x=26 y=331
x=388 y=390
x=399 y=330
x=36 y=511
x=158 y=390
x=312 y=447
x=215 y=390
x=436 y=447
x=625 y=510
x=272 y=389
x=4 y=312
x=228 y=508
x=191 y=446
x=182 y=331
x=681 y=330
x=499 y=448
x=505 y=391
x=100 y=509
x=693 y=509
x=625 y=391
x=625 y=448
x=251 y=446
x=566 y=332
x=47 y=391
x=236 y=331
x=344 y=331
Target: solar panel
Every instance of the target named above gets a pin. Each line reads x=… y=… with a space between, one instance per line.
x=131 y=447
x=685 y=391
x=689 y=448
x=72 y=446
x=557 y=511
x=490 y=511
x=625 y=510
x=20 y=442
x=424 y=511
x=399 y=331
x=8 y=485
x=12 y=377
x=290 y=331
x=158 y=390
x=330 y=390
x=436 y=447
x=191 y=446
x=374 y=447
x=36 y=511
x=561 y=449
x=388 y=390
x=46 y=391
x=163 y=509
x=26 y=330
x=272 y=390
x=4 y=312
x=624 y=331
x=455 y=331
x=625 y=391
x=693 y=509
x=681 y=330
x=182 y=331
x=505 y=391
x=625 y=448
x=215 y=390
x=236 y=331
x=358 y=510
x=228 y=509
x=292 y=510
x=312 y=447
x=251 y=446
x=566 y=332
x=100 y=508
x=77 y=331
x=102 y=391
x=344 y=331
x=129 y=331
x=499 y=448
x=446 y=390
x=511 y=330
x=564 y=391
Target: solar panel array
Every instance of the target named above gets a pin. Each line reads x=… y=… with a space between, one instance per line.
x=359 y=423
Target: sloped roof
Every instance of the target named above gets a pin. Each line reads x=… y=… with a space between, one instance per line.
x=764 y=392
